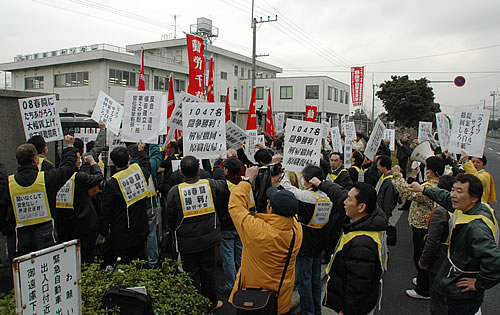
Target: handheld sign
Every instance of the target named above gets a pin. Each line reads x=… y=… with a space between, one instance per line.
x=40 y=117
x=108 y=111
x=443 y=129
x=391 y=135
x=234 y=135
x=350 y=131
x=280 y=122
x=250 y=142
x=347 y=154
x=326 y=127
x=163 y=116
x=141 y=116
x=175 y=120
x=374 y=141
x=336 y=141
x=424 y=131
x=204 y=130
x=469 y=131
x=302 y=144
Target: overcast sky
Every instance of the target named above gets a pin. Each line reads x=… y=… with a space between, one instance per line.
x=434 y=39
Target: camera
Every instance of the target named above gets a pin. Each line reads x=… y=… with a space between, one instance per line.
x=275 y=169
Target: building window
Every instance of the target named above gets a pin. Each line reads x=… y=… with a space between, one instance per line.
x=126 y=78
x=341 y=96
x=223 y=75
x=235 y=71
x=249 y=73
x=160 y=83
x=346 y=97
x=312 y=92
x=235 y=93
x=242 y=72
x=330 y=92
x=179 y=85
x=71 y=79
x=259 y=93
x=223 y=98
x=286 y=92
x=336 y=95
x=33 y=83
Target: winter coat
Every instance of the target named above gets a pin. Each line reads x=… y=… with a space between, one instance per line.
x=434 y=252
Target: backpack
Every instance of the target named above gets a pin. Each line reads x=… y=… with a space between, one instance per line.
x=130 y=301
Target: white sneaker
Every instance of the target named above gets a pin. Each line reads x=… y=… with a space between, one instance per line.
x=412 y=293
x=414 y=281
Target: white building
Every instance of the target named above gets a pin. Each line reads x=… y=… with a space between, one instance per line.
x=78 y=74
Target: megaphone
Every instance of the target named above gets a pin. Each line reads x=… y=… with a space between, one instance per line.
x=422 y=152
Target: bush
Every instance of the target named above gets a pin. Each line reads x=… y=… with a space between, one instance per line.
x=172 y=292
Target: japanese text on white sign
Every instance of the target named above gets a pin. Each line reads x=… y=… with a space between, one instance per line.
x=391 y=135
x=469 y=131
x=443 y=129
x=302 y=144
x=40 y=117
x=336 y=141
x=234 y=135
x=141 y=116
x=424 y=131
x=376 y=136
x=108 y=111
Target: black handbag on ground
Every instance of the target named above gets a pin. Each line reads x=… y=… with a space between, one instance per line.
x=259 y=301
x=392 y=235
x=130 y=302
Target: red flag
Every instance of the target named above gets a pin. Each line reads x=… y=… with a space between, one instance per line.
x=142 y=83
x=311 y=113
x=252 y=119
x=269 y=116
x=228 y=108
x=210 y=87
x=196 y=48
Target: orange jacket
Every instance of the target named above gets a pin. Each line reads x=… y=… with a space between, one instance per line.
x=266 y=239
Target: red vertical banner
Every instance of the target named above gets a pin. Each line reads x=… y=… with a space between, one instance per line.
x=311 y=113
x=196 y=49
x=228 y=108
x=210 y=87
x=269 y=117
x=252 y=117
x=357 y=82
x=142 y=83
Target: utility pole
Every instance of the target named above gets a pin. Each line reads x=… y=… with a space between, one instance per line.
x=494 y=94
x=254 y=48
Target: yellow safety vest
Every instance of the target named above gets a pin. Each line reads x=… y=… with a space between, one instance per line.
x=101 y=166
x=40 y=161
x=377 y=237
x=322 y=210
x=381 y=181
x=429 y=184
x=334 y=177
x=132 y=183
x=251 y=203
x=361 y=173
x=299 y=176
x=66 y=195
x=196 y=199
x=30 y=204
x=151 y=186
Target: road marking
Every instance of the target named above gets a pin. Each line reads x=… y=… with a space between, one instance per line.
x=490 y=149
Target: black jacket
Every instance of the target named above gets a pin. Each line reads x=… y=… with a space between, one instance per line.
x=343 y=179
x=403 y=151
x=81 y=221
x=127 y=229
x=198 y=233
x=174 y=178
x=355 y=273
x=54 y=180
x=434 y=252
x=333 y=229
x=222 y=205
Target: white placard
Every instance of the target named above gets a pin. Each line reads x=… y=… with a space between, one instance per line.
x=86 y=134
x=260 y=140
x=108 y=111
x=113 y=141
x=204 y=132
x=342 y=124
x=391 y=135
x=175 y=120
x=424 y=131
x=163 y=116
x=469 y=131
x=350 y=131
x=250 y=142
x=336 y=141
x=374 y=142
x=40 y=117
x=444 y=130
x=347 y=154
x=302 y=144
x=326 y=128
x=141 y=116
x=280 y=122
x=48 y=281
x=234 y=135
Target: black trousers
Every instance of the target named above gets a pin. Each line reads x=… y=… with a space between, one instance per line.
x=403 y=163
x=201 y=268
x=422 y=275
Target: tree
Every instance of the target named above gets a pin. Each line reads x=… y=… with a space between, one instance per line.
x=408 y=101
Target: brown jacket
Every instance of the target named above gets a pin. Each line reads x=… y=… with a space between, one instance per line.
x=266 y=239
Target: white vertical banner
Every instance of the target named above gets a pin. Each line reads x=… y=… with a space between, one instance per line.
x=163 y=115
x=336 y=141
x=40 y=117
x=391 y=135
x=250 y=142
x=469 y=131
x=234 y=135
x=280 y=122
x=350 y=131
x=108 y=111
x=141 y=116
x=443 y=129
x=342 y=124
x=204 y=130
x=302 y=144
x=347 y=154
x=374 y=142
x=424 y=131
x=326 y=128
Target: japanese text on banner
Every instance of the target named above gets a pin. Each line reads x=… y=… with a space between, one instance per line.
x=391 y=135
x=357 y=82
x=108 y=111
x=443 y=128
x=424 y=131
x=280 y=122
x=336 y=141
x=175 y=120
x=40 y=117
x=141 y=118
x=350 y=131
x=234 y=135
x=469 y=131
x=374 y=142
x=250 y=143
x=204 y=130
x=302 y=144
x=196 y=49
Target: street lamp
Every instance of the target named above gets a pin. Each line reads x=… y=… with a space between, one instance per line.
x=494 y=94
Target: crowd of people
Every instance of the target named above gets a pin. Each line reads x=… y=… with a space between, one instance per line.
x=260 y=216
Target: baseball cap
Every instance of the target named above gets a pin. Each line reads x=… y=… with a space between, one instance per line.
x=283 y=202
